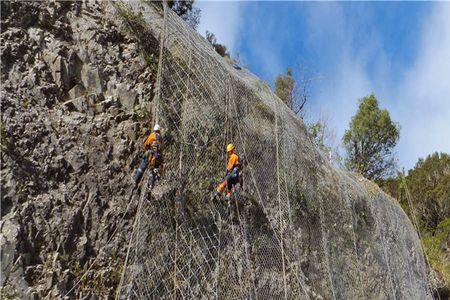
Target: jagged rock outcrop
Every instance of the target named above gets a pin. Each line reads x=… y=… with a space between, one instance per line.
x=76 y=97
x=75 y=101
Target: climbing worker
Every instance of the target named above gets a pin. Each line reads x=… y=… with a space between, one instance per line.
x=154 y=136
x=152 y=157
x=155 y=160
x=232 y=176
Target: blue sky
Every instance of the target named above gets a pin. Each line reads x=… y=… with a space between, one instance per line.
x=399 y=50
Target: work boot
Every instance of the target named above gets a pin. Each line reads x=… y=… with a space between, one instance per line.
x=221 y=187
x=215 y=194
x=228 y=197
x=228 y=202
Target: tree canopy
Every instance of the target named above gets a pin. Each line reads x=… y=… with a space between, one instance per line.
x=186 y=10
x=221 y=49
x=370 y=140
x=284 y=87
x=429 y=186
x=429 y=183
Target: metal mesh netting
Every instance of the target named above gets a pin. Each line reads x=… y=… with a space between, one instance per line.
x=184 y=246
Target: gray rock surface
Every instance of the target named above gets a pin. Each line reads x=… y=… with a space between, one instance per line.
x=76 y=91
x=68 y=146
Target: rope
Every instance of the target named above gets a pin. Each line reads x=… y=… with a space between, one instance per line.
x=279 y=200
x=325 y=245
x=394 y=216
x=156 y=118
x=261 y=202
x=130 y=201
x=416 y=226
x=136 y=220
x=160 y=63
x=349 y=208
x=244 y=234
x=228 y=134
x=219 y=227
x=287 y=187
x=200 y=103
x=385 y=256
x=242 y=228
x=182 y=174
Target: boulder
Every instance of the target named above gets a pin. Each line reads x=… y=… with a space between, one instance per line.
x=36 y=34
x=77 y=91
x=80 y=104
x=92 y=79
x=76 y=160
x=104 y=105
x=128 y=97
x=13 y=277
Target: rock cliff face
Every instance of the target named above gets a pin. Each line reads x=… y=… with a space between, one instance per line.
x=74 y=98
x=76 y=90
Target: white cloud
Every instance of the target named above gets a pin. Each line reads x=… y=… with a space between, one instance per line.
x=223 y=19
x=261 y=36
x=424 y=95
x=353 y=64
x=344 y=77
x=420 y=101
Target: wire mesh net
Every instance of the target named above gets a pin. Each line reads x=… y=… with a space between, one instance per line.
x=184 y=246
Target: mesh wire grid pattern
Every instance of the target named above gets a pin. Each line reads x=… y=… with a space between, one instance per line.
x=288 y=199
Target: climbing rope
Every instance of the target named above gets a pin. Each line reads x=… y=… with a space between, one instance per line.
x=352 y=225
x=130 y=201
x=156 y=121
x=277 y=141
x=256 y=186
x=325 y=246
x=205 y=104
x=133 y=233
x=160 y=64
x=416 y=226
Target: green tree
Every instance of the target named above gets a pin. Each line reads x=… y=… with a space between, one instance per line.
x=370 y=140
x=221 y=49
x=428 y=184
x=187 y=11
x=294 y=90
x=323 y=137
x=284 y=87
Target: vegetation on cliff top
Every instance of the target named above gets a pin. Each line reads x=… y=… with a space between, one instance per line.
x=429 y=185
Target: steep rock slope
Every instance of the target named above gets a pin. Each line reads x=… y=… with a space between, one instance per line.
x=75 y=100
x=307 y=230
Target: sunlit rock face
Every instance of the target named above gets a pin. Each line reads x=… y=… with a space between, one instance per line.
x=77 y=97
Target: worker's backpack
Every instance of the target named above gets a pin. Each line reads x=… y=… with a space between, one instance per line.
x=157 y=144
x=156 y=158
x=242 y=163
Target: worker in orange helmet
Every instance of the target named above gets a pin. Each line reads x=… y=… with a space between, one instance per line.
x=232 y=176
